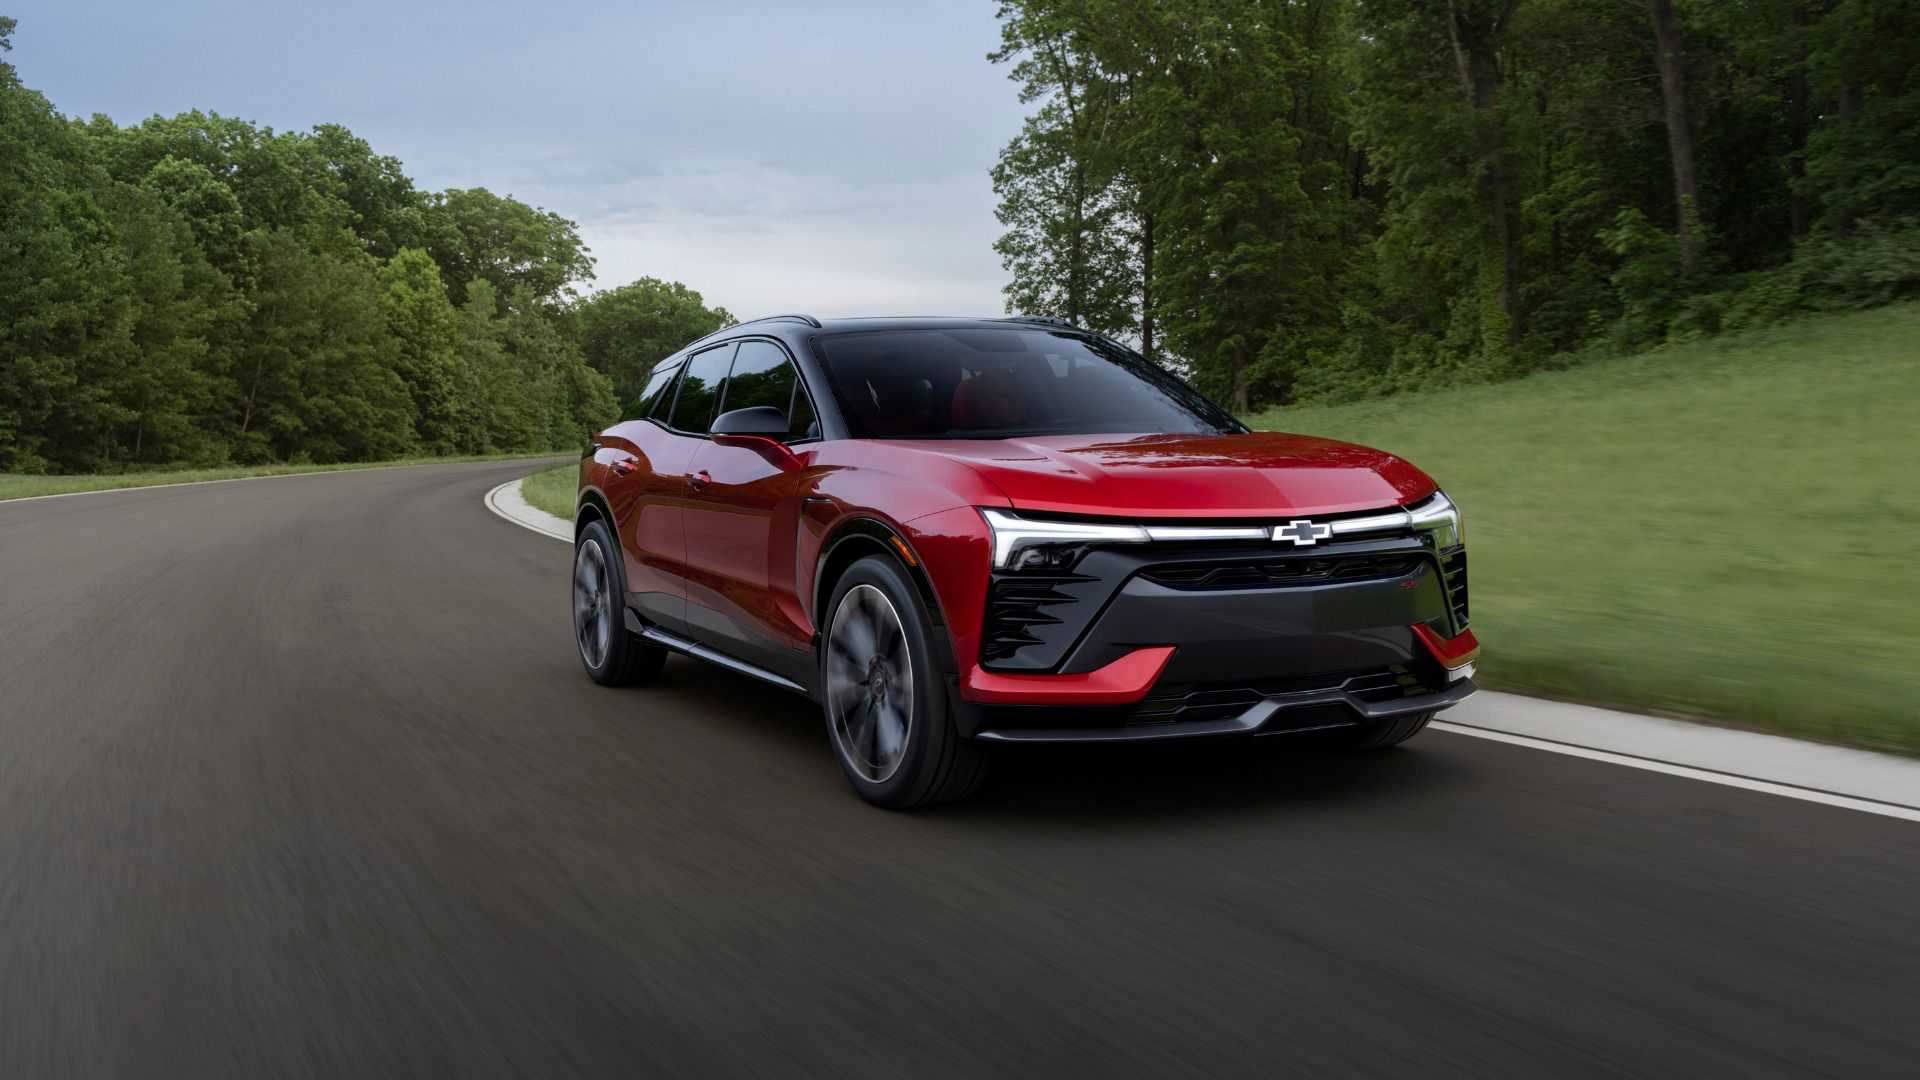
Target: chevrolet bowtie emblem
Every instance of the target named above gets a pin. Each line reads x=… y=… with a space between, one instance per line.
x=1302 y=533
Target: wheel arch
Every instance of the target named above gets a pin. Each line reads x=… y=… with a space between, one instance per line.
x=593 y=505
x=859 y=537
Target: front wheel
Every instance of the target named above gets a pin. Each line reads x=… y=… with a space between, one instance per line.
x=612 y=654
x=885 y=701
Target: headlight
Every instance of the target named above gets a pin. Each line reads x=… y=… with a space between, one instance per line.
x=1020 y=543
x=1441 y=518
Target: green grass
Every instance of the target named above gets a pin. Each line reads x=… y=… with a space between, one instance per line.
x=1725 y=528
x=553 y=490
x=20 y=486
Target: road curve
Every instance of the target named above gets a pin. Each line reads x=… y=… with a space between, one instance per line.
x=300 y=777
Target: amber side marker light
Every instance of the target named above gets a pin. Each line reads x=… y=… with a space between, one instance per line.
x=901 y=546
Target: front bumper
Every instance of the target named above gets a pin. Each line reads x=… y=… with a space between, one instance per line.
x=1279 y=714
x=1136 y=646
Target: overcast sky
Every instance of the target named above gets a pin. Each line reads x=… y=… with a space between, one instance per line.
x=826 y=157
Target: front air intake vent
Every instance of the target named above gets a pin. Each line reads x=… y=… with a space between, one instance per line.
x=1016 y=605
x=1453 y=571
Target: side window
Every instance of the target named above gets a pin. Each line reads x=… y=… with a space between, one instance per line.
x=694 y=405
x=762 y=375
x=654 y=397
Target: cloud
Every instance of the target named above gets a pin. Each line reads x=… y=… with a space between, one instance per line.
x=826 y=157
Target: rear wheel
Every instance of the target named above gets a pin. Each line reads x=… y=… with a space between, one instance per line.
x=612 y=654
x=885 y=701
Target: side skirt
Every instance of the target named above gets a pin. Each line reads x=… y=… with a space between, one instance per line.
x=712 y=656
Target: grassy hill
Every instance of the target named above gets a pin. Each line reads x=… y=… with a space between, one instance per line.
x=1726 y=528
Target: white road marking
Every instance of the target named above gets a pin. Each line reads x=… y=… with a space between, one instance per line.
x=240 y=479
x=1827 y=798
x=507 y=501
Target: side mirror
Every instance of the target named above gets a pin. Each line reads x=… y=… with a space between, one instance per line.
x=763 y=421
x=760 y=429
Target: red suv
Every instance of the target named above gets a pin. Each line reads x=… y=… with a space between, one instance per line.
x=957 y=532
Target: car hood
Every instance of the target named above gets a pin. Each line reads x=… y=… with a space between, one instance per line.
x=1262 y=474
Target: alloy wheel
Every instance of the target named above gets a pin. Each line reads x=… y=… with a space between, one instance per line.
x=869 y=683
x=592 y=604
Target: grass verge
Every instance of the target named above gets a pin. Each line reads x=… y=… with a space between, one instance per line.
x=20 y=486
x=1721 y=528
x=553 y=490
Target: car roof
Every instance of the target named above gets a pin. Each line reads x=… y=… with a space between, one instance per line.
x=796 y=327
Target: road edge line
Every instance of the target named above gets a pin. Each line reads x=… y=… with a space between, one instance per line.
x=350 y=468
x=507 y=502
x=1812 y=795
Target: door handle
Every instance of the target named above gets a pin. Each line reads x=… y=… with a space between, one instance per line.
x=700 y=479
x=623 y=466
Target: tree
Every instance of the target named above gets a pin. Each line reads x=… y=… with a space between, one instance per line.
x=1672 y=63
x=1062 y=198
x=427 y=338
x=1863 y=157
x=624 y=332
x=475 y=234
x=65 y=314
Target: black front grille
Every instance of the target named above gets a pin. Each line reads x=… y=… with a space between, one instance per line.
x=1453 y=571
x=1018 y=603
x=1282 y=571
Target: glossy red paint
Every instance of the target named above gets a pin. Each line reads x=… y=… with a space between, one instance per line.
x=955 y=548
x=742 y=526
x=772 y=451
x=1122 y=682
x=648 y=500
x=1453 y=652
x=1185 y=476
x=741 y=552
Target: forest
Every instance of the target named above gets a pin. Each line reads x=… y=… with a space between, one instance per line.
x=200 y=291
x=1298 y=200
x=1285 y=200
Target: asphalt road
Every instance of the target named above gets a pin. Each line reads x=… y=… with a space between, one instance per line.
x=301 y=777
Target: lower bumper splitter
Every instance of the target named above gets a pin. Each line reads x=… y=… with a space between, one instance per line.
x=1288 y=714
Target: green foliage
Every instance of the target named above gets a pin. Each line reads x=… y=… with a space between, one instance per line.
x=1186 y=176
x=202 y=290
x=421 y=321
x=624 y=332
x=510 y=245
x=1339 y=199
x=1611 y=512
x=553 y=490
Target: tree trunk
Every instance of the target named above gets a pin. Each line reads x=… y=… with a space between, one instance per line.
x=1800 y=125
x=1146 y=285
x=1241 y=406
x=259 y=366
x=1076 y=250
x=1476 y=51
x=1668 y=58
x=1845 y=106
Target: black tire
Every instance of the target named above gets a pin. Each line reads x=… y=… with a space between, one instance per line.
x=1386 y=733
x=933 y=764
x=611 y=654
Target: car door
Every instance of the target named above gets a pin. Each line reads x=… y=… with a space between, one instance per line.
x=743 y=527
x=649 y=501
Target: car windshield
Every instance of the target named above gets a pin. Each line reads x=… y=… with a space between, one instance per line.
x=993 y=383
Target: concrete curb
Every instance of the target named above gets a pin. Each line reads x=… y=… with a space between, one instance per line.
x=507 y=502
x=1775 y=764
